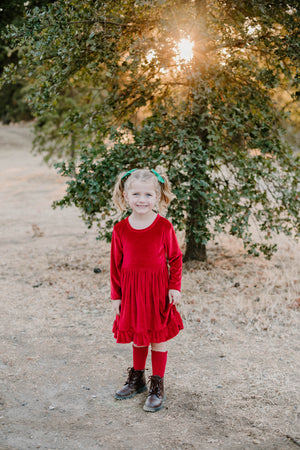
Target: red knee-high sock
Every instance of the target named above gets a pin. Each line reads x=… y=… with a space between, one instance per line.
x=139 y=357
x=159 y=362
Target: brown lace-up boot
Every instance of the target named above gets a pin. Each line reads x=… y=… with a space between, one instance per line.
x=156 y=396
x=135 y=384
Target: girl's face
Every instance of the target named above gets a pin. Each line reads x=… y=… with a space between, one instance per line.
x=141 y=197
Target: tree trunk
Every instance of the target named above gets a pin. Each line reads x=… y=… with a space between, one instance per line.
x=196 y=228
x=197 y=209
x=72 y=148
x=194 y=251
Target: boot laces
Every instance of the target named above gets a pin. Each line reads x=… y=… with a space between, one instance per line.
x=130 y=371
x=154 y=385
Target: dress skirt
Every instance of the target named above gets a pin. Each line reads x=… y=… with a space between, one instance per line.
x=146 y=315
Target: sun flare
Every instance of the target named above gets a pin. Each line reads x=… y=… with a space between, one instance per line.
x=184 y=51
x=183 y=54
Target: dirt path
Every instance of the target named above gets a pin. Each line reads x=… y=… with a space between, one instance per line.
x=232 y=378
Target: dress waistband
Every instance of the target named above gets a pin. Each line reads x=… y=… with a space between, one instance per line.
x=138 y=268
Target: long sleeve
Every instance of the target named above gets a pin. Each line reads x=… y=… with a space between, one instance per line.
x=174 y=257
x=116 y=258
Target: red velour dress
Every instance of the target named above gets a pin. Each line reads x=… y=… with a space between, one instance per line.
x=145 y=264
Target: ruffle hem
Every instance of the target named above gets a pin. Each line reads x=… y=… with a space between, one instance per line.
x=172 y=328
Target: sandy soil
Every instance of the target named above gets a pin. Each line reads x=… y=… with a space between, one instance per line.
x=232 y=379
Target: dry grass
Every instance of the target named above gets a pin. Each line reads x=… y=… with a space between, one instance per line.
x=253 y=292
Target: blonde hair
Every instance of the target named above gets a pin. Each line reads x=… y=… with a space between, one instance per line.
x=163 y=190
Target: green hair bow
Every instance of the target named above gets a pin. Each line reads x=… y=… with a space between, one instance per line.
x=159 y=177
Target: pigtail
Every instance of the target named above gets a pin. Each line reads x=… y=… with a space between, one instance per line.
x=118 y=193
x=166 y=195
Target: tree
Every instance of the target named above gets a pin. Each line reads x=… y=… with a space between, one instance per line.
x=128 y=98
x=12 y=105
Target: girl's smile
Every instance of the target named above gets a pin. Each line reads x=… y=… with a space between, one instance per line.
x=141 y=197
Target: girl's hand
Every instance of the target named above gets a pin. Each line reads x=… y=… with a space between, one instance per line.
x=174 y=296
x=116 y=306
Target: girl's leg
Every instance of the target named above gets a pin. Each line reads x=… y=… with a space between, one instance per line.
x=159 y=347
x=139 y=357
x=156 y=396
x=136 y=381
x=159 y=358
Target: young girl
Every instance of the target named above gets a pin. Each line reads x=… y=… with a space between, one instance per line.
x=146 y=265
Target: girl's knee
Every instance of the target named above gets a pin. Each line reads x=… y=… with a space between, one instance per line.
x=159 y=347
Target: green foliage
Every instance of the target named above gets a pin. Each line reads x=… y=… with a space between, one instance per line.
x=110 y=95
x=13 y=107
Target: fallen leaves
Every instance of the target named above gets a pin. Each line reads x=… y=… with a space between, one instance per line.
x=36 y=231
